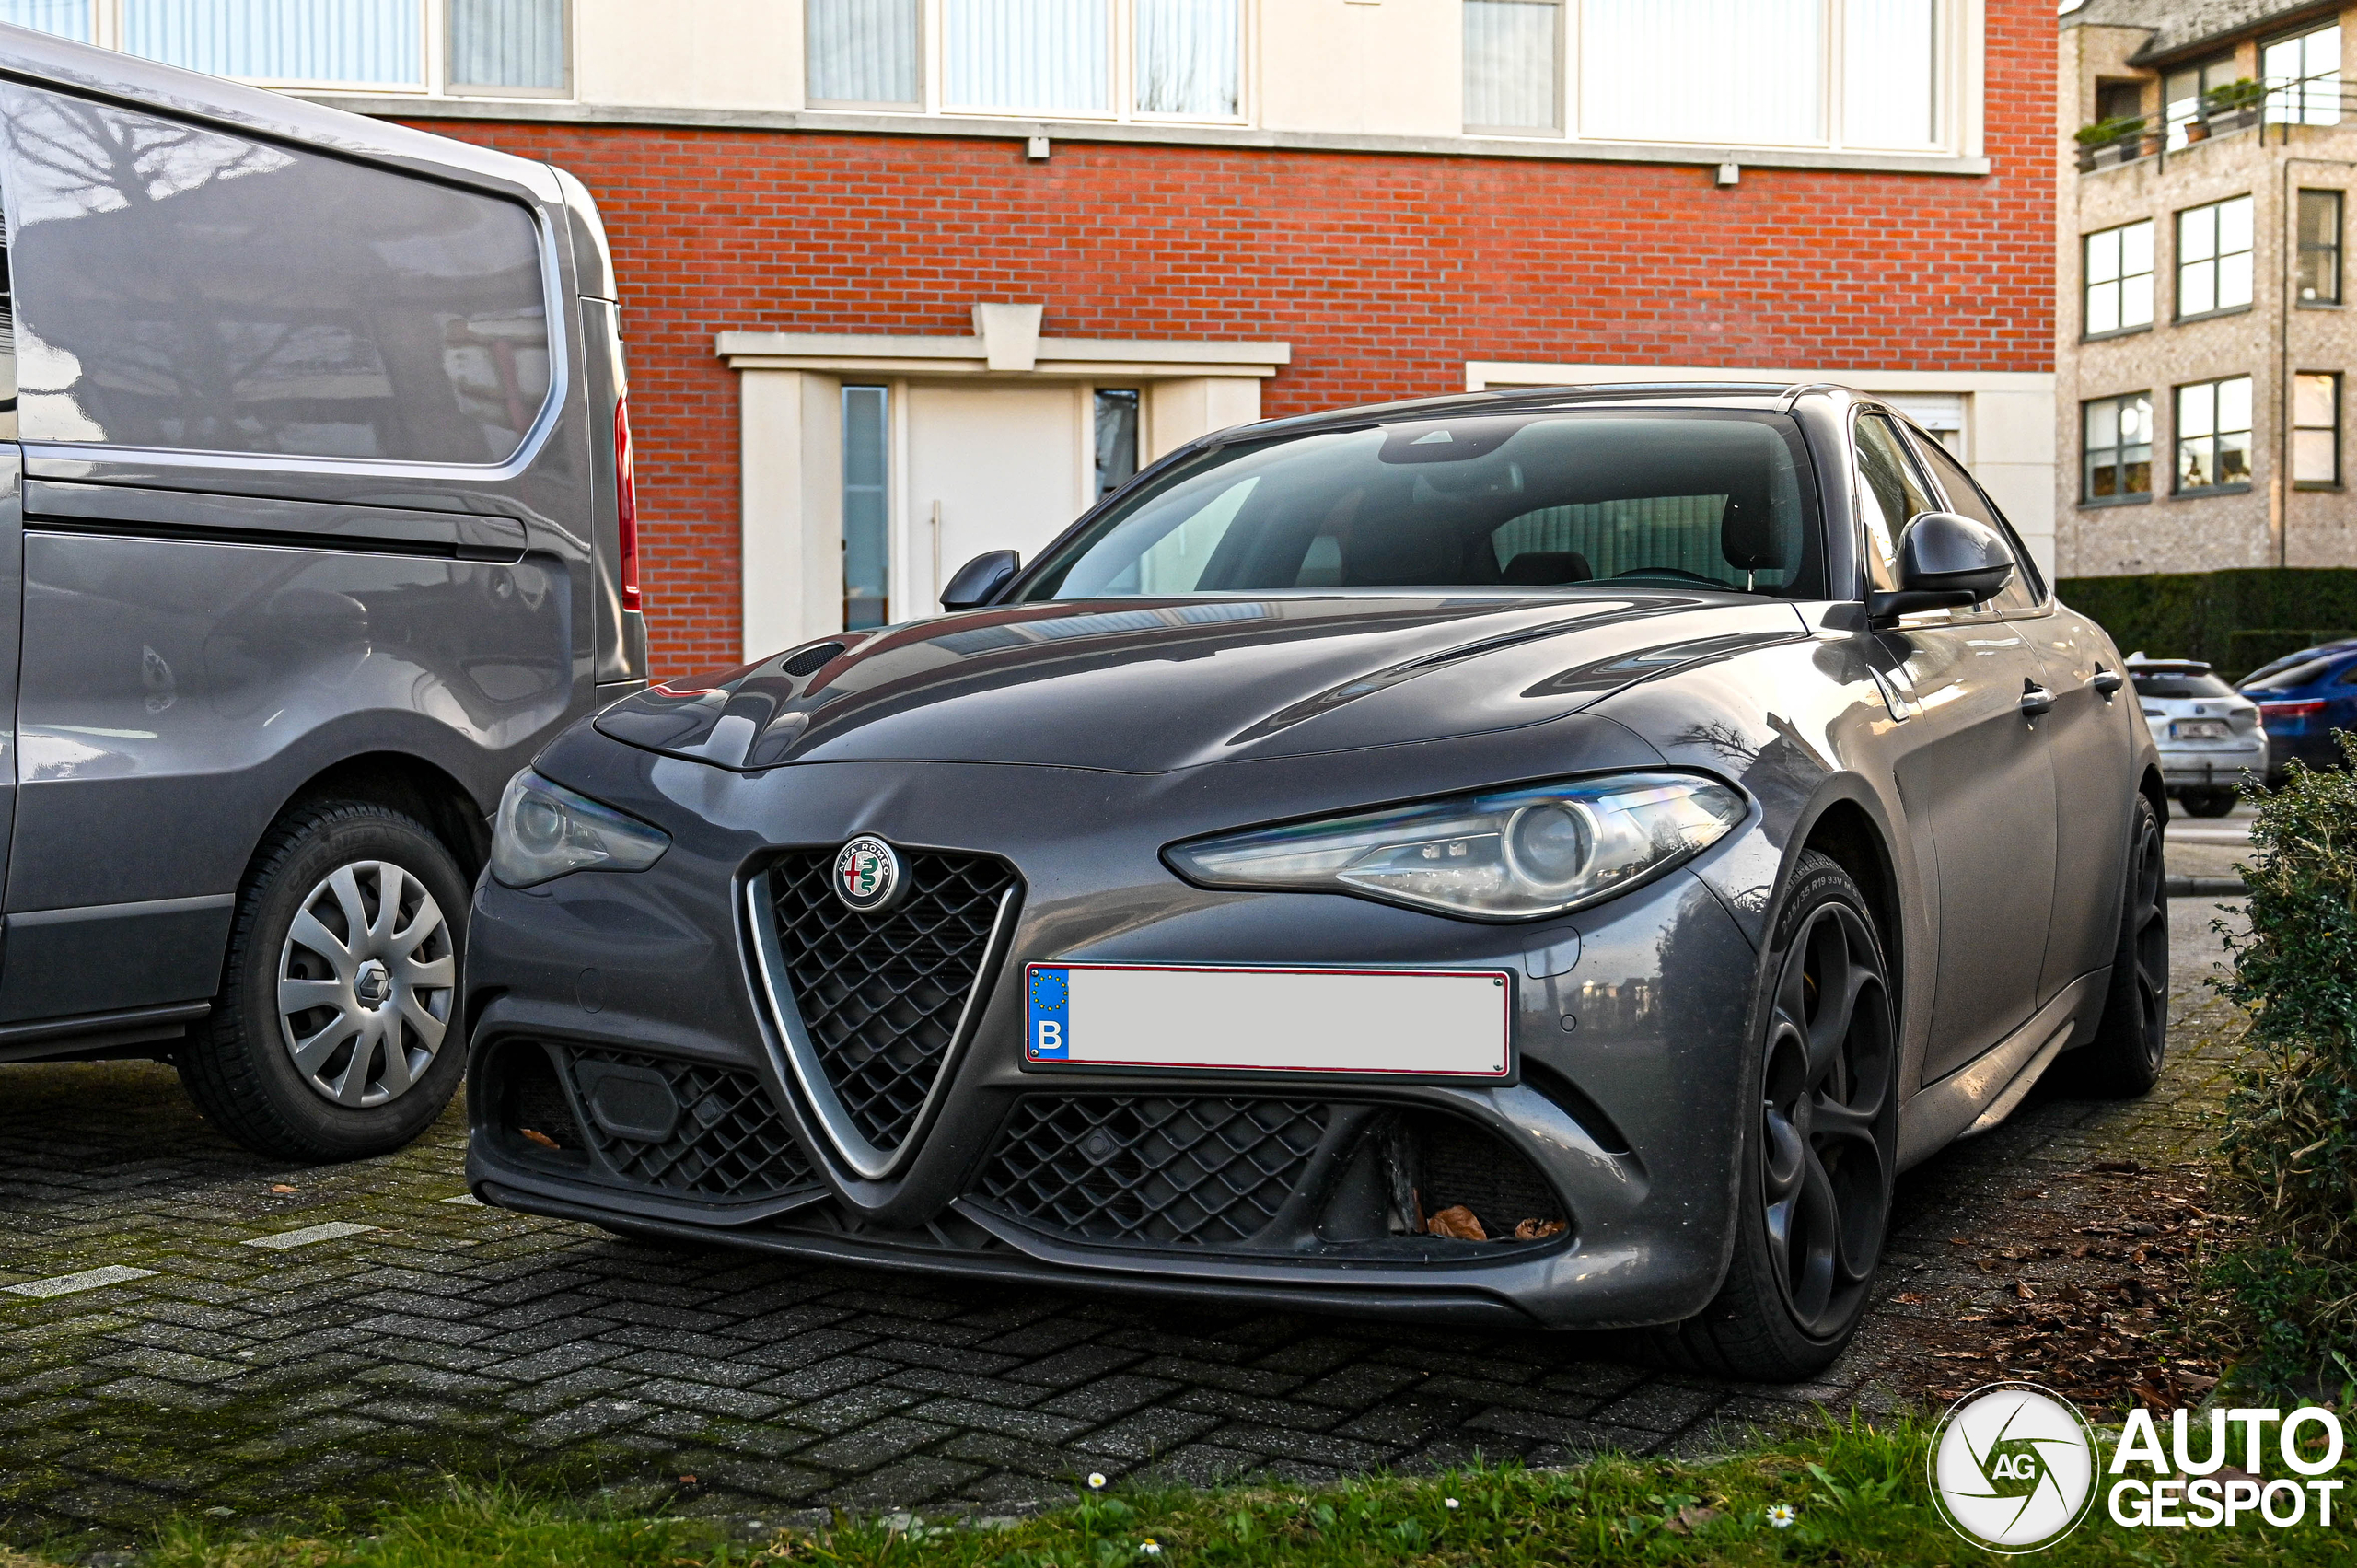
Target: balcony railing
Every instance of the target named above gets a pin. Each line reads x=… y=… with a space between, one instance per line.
x=2319 y=100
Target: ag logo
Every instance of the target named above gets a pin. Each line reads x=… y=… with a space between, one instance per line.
x=868 y=876
x=2012 y=1467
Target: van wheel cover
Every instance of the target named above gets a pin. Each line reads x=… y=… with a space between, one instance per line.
x=366 y=982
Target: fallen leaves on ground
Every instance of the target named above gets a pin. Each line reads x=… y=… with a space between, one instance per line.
x=2101 y=1301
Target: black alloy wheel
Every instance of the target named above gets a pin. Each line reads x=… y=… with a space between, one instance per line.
x=2131 y=1039
x=1820 y=1149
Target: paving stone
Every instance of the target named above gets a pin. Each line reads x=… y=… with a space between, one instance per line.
x=265 y=1378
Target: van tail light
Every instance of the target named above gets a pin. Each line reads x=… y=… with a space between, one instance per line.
x=626 y=503
x=2290 y=710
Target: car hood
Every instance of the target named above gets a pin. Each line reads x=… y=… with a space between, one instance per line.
x=1153 y=685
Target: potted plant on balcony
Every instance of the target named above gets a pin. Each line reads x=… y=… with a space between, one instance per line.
x=2109 y=141
x=2228 y=107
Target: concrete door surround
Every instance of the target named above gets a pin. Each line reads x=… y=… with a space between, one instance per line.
x=791 y=432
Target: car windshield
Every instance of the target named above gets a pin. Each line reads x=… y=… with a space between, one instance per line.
x=2307 y=673
x=2166 y=683
x=1518 y=502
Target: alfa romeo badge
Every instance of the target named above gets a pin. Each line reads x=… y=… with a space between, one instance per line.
x=868 y=877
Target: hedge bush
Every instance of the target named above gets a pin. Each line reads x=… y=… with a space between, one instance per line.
x=2230 y=619
x=2291 y=1138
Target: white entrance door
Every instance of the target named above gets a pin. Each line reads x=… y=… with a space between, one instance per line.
x=999 y=465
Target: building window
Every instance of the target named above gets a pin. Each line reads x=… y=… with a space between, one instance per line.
x=507 y=46
x=2120 y=100
x=504 y=46
x=1036 y=56
x=2119 y=278
x=2214 y=258
x=1185 y=60
x=1756 y=73
x=2319 y=247
x=1116 y=437
x=2316 y=429
x=2304 y=78
x=2116 y=442
x=2214 y=435
x=862 y=52
x=2182 y=91
x=1044 y=57
x=867 y=554
x=66 y=19
x=1513 y=49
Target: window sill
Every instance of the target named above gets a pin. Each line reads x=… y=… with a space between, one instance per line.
x=2319 y=304
x=2213 y=315
x=2205 y=492
x=2099 y=503
x=2323 y=485
x=2115 y=332
x=1152 y=132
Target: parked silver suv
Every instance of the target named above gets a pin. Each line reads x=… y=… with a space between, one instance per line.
x=2209 y=734
x=316 y=522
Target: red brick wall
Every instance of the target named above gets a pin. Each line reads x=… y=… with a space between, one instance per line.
x=1387 y=274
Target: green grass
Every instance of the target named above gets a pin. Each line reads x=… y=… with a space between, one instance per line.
x=1858 y=1494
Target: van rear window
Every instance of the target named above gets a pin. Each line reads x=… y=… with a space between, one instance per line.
x=181 y=287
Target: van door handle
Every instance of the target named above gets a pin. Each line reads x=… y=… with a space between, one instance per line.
x=2035 y=700
x=2107 y=682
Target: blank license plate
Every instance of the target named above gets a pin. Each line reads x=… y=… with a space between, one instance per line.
x=1424 y=1022
x=2200 y=729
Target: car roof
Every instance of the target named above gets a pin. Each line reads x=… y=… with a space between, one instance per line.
x=1764 y=396
x=44 y=59
x=2169 y=665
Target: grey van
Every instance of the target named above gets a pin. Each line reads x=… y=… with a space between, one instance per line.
x=316 y=523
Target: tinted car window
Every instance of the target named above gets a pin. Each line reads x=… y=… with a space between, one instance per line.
x=2166 y=683
x=1523 y=501
x=1965 y=497
x=1890 y=495
x=2306 y=673
x=182 y=287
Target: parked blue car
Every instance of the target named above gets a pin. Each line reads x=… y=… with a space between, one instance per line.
x=2302 y=699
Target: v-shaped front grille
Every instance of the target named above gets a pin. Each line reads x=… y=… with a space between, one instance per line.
x=880 y=996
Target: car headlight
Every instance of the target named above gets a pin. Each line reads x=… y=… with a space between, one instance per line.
x=546 y=830
x=1517 y=853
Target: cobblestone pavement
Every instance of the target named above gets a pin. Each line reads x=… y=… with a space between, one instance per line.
x=277 y=1338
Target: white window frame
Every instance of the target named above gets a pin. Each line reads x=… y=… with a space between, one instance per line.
x=933 y=71
x=1957 y=90
x=433 y=44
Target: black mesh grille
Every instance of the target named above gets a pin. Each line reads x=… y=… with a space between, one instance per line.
x=729 y=1142
x=880 y=994
x=1184 y=1172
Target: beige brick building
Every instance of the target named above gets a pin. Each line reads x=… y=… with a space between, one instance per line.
x=2205 y=337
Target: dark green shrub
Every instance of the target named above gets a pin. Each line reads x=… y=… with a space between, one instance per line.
x=2111 y=130
x=2196 y=614
x=2291 y=1138
x=2246 y=651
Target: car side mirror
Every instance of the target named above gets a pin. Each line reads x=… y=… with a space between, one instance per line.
x=1944 y=561
x=979 y=580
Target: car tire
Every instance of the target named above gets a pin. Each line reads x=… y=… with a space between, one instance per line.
x=1819 y=1144
x=321 y=1047
x=2207 y=802
x=2132 y=1037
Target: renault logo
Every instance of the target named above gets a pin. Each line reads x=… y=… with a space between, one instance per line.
x=868 y=876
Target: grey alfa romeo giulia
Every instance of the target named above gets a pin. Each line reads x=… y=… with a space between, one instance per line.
x=1549 y=858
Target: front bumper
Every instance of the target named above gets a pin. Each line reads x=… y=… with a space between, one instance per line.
x=1627 y=1117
